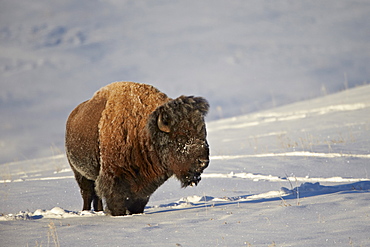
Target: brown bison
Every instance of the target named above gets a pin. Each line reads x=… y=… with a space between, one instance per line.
x=128 y=139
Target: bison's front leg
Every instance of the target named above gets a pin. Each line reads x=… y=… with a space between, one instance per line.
x=136 y=205
x=116 y=206
x=112 y=189
x=119 y=199
x=126 y=206
x=119 y=203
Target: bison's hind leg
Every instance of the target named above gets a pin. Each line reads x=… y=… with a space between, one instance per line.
x=97 y=202
x=89 y=196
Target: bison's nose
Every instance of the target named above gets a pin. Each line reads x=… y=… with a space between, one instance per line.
x=203 y=163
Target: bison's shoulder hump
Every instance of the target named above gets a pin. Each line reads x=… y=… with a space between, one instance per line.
x=129 y=90
x=130 y=99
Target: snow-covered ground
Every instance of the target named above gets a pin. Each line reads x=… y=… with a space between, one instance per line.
x=296 y=175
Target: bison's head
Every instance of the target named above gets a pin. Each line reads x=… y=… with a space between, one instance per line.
x=178 y=133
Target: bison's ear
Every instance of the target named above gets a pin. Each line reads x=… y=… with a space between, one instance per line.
x=163 y=122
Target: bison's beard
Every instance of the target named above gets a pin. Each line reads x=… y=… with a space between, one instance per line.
x=193 y=176
x=191 y=179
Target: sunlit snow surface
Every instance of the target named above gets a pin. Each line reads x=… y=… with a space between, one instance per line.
x=297 y=175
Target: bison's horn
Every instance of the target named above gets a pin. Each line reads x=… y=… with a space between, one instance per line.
x=163 y=125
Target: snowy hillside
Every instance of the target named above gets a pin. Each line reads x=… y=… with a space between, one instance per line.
x=242 y=55
x=296 y=175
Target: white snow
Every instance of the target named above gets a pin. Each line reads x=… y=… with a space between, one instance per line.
x=285 y=174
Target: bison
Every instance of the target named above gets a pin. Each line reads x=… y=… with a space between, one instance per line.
x=128 y=139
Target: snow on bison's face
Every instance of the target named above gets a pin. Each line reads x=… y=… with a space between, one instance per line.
x=179 y=137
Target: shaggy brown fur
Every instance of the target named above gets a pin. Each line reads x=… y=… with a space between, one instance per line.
x=129 y=138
